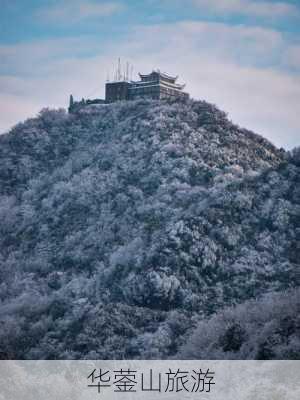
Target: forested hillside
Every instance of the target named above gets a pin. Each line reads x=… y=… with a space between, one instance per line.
x=127 y=229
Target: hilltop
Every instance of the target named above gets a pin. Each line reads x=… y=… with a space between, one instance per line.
x=123 y=226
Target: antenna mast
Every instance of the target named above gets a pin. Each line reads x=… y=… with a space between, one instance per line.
x=114 y=74
x=119 y=69
x=127 y=68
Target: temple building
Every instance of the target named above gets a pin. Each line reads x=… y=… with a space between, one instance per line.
x=156 y=85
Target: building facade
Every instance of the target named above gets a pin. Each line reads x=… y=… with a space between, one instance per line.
x=116 y=91
x=156 y=85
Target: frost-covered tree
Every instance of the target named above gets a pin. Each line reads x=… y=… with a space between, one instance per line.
x=124 y=224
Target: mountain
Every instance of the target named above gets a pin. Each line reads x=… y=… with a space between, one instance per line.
x=124 y=227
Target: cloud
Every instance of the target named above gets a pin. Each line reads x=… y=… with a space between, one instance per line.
x=71 y=11
x=292 y=57
x=254 y=45
x=241 y=69
x=254 y=8
x=15 y=108
x=38 y=56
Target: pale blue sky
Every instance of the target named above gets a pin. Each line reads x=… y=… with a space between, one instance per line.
x=243 y=55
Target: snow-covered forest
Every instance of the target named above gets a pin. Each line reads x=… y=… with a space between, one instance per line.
x=147 y=229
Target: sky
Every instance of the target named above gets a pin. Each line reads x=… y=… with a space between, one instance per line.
x=242 y=55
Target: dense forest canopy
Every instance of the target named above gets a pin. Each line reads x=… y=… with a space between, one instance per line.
x=128 y=230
